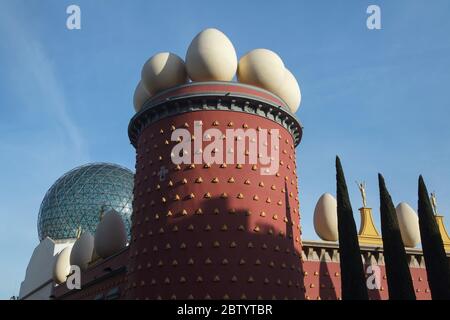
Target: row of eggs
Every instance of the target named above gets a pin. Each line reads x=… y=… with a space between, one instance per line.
x=211 y=57
x=326 y=226
x=110 y=238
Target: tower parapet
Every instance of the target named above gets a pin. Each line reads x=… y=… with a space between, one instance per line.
x=214 y=95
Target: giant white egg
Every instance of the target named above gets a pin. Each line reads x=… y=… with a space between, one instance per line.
x=211 y=57
x=262 y=68
x=163 y=71
x=289 y=91
x=61 y=268
x=111 y=235
x=140 y=97
x=408 y=222
x=82 y=250
x=325 y=218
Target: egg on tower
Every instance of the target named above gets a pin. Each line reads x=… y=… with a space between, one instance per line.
x=140 y=97
x=61 y=268
x=262 y=68
x=162 y=71
x=408 y=222
x=289 y=91
x=82 y=251
x=325 y=218
x=111 y=235
x=211 y=57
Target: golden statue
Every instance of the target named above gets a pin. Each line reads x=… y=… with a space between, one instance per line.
x=433 y=202
x=362 y=189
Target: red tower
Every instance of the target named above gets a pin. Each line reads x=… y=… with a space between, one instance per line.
x=214 y=231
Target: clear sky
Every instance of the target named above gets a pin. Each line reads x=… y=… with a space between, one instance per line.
x=378 y=98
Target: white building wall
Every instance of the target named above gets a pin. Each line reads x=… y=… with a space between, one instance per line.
x=38 y=282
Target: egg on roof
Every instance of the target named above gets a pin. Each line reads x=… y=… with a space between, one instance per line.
x=289 y=91
x=61 y=268
x=211 y=57
x=140 y=97
x=111 y=235
x=325 y=218
x=408 y=222
x=262 y=68
x=163 y=71
x=82 y=250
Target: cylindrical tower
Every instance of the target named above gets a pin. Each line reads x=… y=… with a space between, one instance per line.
x=207 y=230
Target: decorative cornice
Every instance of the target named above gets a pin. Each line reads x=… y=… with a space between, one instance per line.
x=205 y=96
x=316 y=251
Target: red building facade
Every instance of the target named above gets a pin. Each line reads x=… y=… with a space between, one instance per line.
x=220 y=231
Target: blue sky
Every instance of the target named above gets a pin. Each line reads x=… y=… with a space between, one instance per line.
x=378 y=98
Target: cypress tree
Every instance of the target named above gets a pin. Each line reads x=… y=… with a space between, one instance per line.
x=398 y=276
x=353 y=281
x=436 y=261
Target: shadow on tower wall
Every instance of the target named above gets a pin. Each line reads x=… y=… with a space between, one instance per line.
x=221 y=252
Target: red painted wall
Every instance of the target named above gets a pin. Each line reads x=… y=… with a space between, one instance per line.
x=189 y=240
x=322 y=282
x=317 y=281
x=234 y=247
